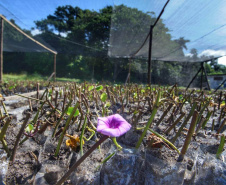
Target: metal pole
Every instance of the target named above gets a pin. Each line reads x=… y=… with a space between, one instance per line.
x=1 y=50
x=128 y=76
x=193 y=78
x=54 y=67
x=149 y=55
x=206 y=78
x=202 y=69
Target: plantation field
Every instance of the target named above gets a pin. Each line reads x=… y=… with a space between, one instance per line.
x=109 y=134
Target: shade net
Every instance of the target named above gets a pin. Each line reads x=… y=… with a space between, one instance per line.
x=97 y=39
x=15 y=41
x=187 y=30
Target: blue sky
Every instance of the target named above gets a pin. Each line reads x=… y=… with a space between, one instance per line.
x=25 y=12
x=191 y=19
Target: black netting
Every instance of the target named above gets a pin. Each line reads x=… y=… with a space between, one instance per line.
x=186 y=31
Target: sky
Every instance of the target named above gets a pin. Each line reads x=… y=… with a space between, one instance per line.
x=203 y=23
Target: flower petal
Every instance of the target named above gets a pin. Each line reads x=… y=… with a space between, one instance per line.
x=114 y=125
x=112 y=132
x=102 y=124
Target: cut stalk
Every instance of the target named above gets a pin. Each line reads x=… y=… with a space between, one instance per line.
x=189 y=136
x=221 y=147
x=175 y=123
x=19 y=136
x=65 y=128
x=185 y=122
x=149 y=121
x=164 y=114
x=81 y=135
x=60 y=119
x=77 y=163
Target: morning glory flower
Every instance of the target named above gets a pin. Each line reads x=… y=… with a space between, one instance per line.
x=113 y=126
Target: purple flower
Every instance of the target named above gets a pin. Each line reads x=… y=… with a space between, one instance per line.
x=113 y=126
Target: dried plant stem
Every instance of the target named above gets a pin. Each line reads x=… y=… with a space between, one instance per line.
x=64 y=178
x=189 y=136
x=185 y=122
x=163 y=138
x=175 y=123
x=220 y=117
x=19 y=136
x=64 y=101
x=1 y=114
x=219 y=100
x=6 y=112
x=37 y=92
x=221 y=126
x=56 y=98
x=4 y=128
x=28 y=97
x=164 y=114
x=30 y=105
x=44 y=94
x=207 y=119
x=212 y=128
x=200 y=124
x=202 y=110
x=5 y=146
x=61 y=117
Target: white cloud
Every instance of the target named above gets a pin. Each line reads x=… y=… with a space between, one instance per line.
x=63 y=34
x=35 y=32
x=222 y=60
x=188 y=55
x=210 y=52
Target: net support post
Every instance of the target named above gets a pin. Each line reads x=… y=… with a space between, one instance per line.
x=206 y=77
x=1 y=49
x=149 y=55
x=54 y=68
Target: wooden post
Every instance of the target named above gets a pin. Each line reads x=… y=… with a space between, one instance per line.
x=1 y=50
x=149 y=55
x=54 y=67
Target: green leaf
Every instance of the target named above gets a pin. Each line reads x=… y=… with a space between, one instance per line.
x=11 y=87
x=181 y=97
x=91 y=88
x=61 y=92
x=70 y=109
x=107 y=104
x=103 y=97
x=100 y=87
x=50 y=92
x=134 y=95
x=29 y=128
x=135 y=112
